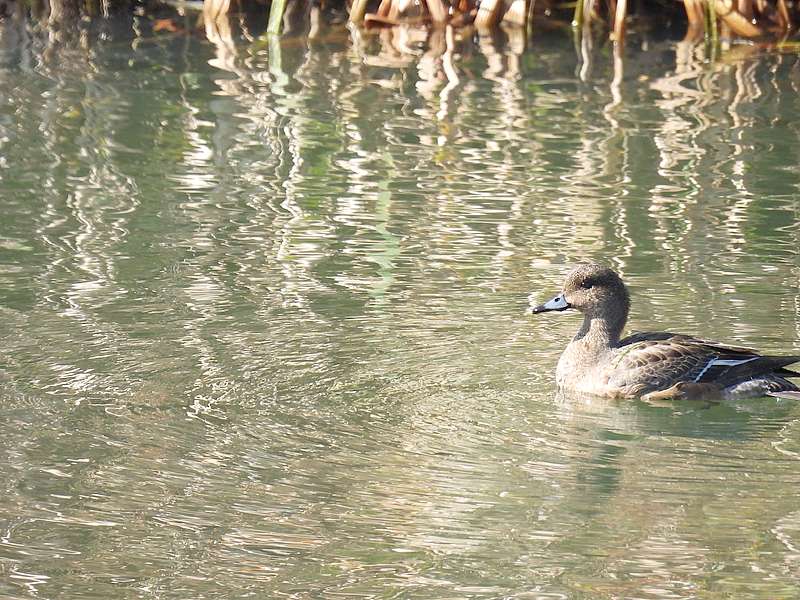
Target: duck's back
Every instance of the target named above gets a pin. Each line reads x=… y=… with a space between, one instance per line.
x=675 y=365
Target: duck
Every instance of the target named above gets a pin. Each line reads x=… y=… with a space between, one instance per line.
x=652 y=365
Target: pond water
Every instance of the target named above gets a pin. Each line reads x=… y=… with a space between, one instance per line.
x=262 y=314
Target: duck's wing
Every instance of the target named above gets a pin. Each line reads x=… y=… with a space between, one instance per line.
x=648 y=362
x=655 y=336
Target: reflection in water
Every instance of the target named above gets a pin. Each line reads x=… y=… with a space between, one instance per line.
x=263 y=331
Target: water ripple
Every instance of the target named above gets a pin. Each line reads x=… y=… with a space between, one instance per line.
x=264 y=323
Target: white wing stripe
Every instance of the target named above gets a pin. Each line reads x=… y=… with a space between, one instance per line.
x=721 y=361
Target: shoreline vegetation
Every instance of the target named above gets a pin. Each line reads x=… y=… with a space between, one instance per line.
x=48 y=35
x=768 y=22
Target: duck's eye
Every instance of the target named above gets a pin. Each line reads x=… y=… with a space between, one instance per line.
x=587 y=285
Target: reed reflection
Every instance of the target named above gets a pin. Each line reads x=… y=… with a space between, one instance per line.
x=322 y=139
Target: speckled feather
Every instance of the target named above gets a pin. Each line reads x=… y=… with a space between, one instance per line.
x=648 y=362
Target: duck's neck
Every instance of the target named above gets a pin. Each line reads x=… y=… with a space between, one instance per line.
x=600 y=333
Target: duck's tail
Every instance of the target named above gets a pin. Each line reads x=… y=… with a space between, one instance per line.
x=790 y=392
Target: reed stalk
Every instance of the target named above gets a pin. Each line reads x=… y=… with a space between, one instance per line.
x=276 y=16
x=577 y=17
x=710 y=19
x=785 y=16
x=588 y=9
x=696 y=15
x=488 y=13
x=732 y=18
x=357 y=11
x=619 y=21
x=529 y=18
x=516 y=14
x=436 y=8
x=711 y=22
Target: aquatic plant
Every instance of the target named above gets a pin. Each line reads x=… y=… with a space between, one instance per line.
x=713 y=20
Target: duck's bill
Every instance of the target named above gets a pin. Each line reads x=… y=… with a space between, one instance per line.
x=557 y=303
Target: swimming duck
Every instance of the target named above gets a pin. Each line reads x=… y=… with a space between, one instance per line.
x=654 y=365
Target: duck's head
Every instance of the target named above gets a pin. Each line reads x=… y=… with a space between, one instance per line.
x=594 y=290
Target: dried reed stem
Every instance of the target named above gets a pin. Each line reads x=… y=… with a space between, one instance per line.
x=577 y=18
x=785 y=17
x=488 y=13
x=437 y=10
x=357 y=11
x=618 y=35
x=276 y=16
x=697 y=19
x=516 y=13
x=711 y=21
x=745 y=8
x=214 y=8
x=733 y=19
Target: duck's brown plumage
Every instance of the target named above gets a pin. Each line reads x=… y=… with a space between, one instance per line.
x=653 y=364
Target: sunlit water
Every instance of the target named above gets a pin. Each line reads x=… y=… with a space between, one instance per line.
x=263 y=331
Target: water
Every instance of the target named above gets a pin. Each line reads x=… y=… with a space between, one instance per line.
x=262 y=315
